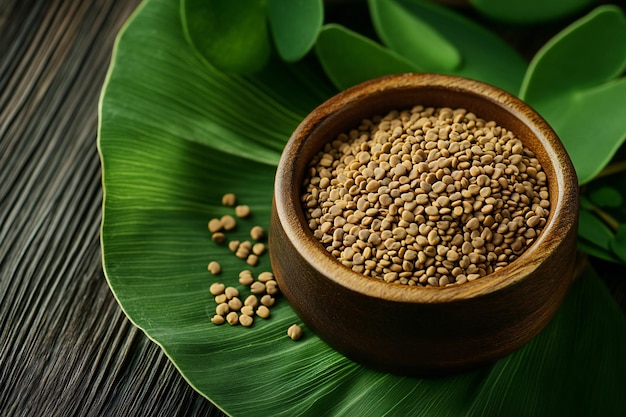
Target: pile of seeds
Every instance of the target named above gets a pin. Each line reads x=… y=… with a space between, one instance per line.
x=229 y=307
x=426 y=196
x=243 y=250
x=262 y=291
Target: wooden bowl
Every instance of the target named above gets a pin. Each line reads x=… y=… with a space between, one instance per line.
x=423 y=330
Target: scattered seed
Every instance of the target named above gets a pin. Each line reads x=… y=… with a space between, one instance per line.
x=229 y=199
x=257 y=233
x=246 y=278
x=231 y=292
x=217 y=319
x=215 y=225
x=258 y=249
x=242 y=211
x=221 y=298
x=217 y=288
x=228 y=222
x=214 y=267
x=263 y=312
x=252 y=301
x=265 y=276
x=267 y=300
x=294 y=332
x=233 y=245
x=257 y=287
x=271 y=287
x=242 y=252
x=246 y=320
x=222 y=309
x=218 y=237
x=252 y=259
x=235 y=304
x=232 y=318
x=247 y=310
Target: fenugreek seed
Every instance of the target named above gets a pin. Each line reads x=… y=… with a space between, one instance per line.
x=246 y=320
x=265 y=276
x=218 y=237
x=231 y=292
x=232 y=318
x=229 y=199
x=533 y=221
x=267 y=300
x=263 y=312
x=251 y=301
x=271 y=288
x=233 y=245
x=228 y=222
x=257 y=287
x=431 y=211
x=258 y=249
x=220 y=298
x=214 y=268
x=246 y=278
x=217 y=319
x=242 y=211
x=472 y=224
x=433 y=237
x=242 y=252
x=448 y=201
x=294 y=332
x=390 y=276
x=234 y=304
x=217 y=288
x=422 y=199
x=215 y=225
x=252 y=259
x=222 y=309
x=257 y=233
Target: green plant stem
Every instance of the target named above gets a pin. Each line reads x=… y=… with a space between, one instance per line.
x=606 y=218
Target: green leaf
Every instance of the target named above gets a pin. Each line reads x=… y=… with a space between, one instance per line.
x=413 y=38
x=485 y=56
x=295 y=25
x=606 y=197
x=349 y=58
x=173 y=137
x=591 y=228
x=571 y=83
x=588 y=52
x=618 y=244
x=590 y=125
x=528 y=11
x=232 y=35
x=595 y=251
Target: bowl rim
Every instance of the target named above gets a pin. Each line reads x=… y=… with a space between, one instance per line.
x=561 y=217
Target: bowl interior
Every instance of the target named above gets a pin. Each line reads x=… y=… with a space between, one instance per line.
x=346 y=110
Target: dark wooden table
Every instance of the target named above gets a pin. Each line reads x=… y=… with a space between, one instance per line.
x=66 y=348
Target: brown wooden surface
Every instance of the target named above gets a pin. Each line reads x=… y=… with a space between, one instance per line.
x=66 y=348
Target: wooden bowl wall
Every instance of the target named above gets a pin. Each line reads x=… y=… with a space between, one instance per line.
x=423 y=330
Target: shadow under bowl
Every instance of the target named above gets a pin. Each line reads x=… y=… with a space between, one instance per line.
x=423 y=330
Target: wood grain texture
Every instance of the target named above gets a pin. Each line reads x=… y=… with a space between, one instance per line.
x=66 y=347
